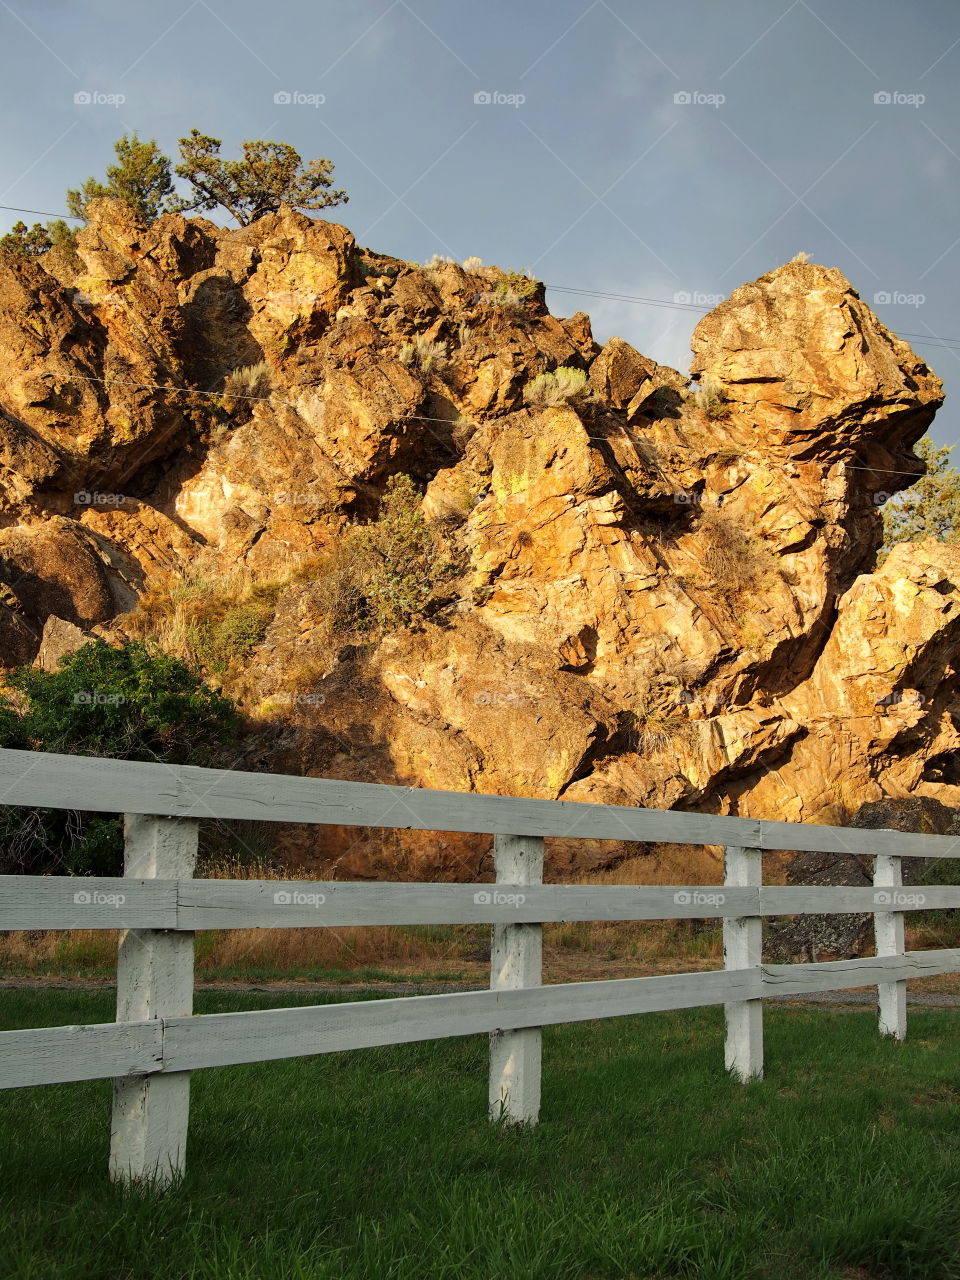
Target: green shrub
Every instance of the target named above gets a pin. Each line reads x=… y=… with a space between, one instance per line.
x=396 y=557
x=514 y=291
x=567 y=385
x=383 y=573
x=125 y=703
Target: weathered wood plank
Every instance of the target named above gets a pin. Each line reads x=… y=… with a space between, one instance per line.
x=52 y=1055
x=82 y=782
x=249 y=904
x=864 y=843
x=835 y=900
x=81 y=902
x=839 y=975
x=516 y=961
x=742 y=941
x=97 y=1051
x=148 y=1136
x=260 y=1035
x=890 y=941
x=49 y=902
x=128 y=786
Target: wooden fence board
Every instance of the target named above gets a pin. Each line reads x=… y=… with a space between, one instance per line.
x=47 y=902
x=52 y=1055
x=127 y=786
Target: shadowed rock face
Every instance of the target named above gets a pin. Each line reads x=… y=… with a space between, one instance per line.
x=654 y=604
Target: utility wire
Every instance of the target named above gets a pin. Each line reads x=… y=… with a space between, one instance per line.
x=928 y=339
x=413 y=417
x=43 y=213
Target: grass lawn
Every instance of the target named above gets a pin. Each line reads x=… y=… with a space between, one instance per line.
x=649 y=1161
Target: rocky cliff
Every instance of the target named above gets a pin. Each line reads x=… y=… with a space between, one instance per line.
x=655 y=592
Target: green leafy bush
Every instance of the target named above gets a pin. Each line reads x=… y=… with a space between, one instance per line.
x=396 y=557
x=383 y=573
x=125 y=703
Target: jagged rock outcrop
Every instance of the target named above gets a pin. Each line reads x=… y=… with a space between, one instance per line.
x=839 y=937
x=653 y=597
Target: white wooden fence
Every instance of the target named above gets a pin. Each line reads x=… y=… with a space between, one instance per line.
x=156 y=1042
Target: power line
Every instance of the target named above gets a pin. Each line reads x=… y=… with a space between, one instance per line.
x=413 y=417
x=42 y=213
x=928 y=339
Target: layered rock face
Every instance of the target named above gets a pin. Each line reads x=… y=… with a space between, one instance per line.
x=658 y=596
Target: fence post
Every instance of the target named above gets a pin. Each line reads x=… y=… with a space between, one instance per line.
x=742 y=947
x=516 y=960
x=888 y=933
x=148 y=1132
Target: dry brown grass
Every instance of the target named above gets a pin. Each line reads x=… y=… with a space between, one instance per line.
x=209 y=621
x=736 y=561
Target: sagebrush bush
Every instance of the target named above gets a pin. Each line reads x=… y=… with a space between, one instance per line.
x=565 y=386
x=708 y=396
x=424 y=353
x=253 y=381
x=735 y=559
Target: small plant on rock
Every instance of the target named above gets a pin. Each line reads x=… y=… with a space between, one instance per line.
x=252 y=382
x=514 y=291
x=708 y=396
x=566 y=385
x=424 y=353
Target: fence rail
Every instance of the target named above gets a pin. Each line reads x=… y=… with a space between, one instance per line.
x=185 y=791
x=158 y=905
x=49 y=902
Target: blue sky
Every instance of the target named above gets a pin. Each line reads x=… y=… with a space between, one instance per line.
x=656 y=150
